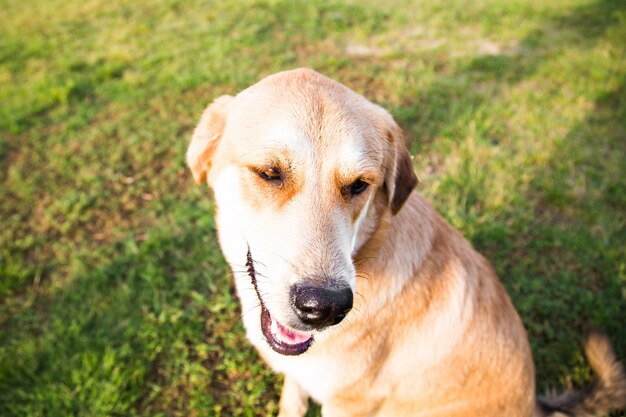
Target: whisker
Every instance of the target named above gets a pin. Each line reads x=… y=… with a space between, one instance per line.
x=260 y=274
x=251 y=309
x=227 y=275
x=259 y=262
x=232 y=264
x=236 y=271
x=284 y=259
x=364 y=300
x=364 y=276
x=246 y=273
x=363 y=259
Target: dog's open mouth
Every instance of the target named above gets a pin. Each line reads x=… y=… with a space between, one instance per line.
x=281 y=339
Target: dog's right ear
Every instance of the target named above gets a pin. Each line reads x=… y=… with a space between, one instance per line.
x=402 y=179
x=206 y=136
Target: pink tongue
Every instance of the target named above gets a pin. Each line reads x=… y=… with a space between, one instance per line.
x=292 y=337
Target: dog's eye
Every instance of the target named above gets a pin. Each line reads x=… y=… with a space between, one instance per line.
x=271 y=174
x=357 y=187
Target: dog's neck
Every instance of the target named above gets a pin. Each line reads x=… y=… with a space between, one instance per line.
x=380 y=265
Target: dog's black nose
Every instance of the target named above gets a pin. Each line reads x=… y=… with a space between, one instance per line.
x=321 y=307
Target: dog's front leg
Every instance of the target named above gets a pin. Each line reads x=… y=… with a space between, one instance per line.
x=294 y=401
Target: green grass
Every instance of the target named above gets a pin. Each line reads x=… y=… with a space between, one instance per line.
x=114 y=298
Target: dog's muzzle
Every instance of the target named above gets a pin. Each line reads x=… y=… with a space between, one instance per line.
x=317 y=308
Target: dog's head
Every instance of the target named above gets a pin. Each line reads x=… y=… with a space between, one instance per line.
x=302 y=168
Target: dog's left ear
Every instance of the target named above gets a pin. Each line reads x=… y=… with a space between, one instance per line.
x=401 y=179
x=206 y=137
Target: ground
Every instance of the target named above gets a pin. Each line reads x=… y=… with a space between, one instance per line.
x=114 y=297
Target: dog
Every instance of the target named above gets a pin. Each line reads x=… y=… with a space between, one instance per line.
x=351 y=285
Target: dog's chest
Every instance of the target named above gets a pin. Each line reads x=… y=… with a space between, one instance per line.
x=323 y=374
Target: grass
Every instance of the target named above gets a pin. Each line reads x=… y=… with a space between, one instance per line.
x=114 y=298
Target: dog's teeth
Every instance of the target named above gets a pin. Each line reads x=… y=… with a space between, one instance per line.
x=274 y=327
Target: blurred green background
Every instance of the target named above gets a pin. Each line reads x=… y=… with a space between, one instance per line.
x=114 y=297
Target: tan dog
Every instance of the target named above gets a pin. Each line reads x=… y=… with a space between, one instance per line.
x=314 y=193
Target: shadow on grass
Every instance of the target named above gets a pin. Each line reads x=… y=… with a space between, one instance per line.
x=154 y=330
x=564 y=268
